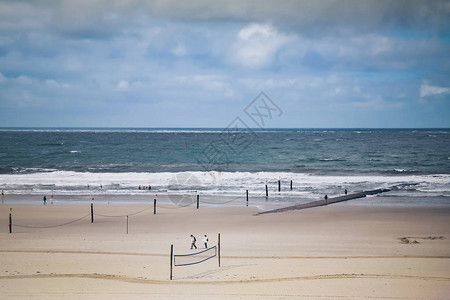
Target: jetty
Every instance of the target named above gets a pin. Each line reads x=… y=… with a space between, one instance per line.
x=329 y=200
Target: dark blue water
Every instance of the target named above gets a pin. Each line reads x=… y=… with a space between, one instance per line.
x=223 y=164
x=319 y=152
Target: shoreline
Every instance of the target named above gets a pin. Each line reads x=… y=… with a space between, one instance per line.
x=273 y=202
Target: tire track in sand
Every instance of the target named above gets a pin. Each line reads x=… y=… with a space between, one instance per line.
x=222 y=282
x=224 y=256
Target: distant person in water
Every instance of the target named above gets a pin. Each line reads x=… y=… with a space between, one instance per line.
x=193 y=240
x=45 y=200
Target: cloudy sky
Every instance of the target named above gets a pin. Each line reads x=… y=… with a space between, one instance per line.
x=84 y=63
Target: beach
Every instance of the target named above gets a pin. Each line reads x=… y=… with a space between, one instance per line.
x=339 y=251
x=217 y=150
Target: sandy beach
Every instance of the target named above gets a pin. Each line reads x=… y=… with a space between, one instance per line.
x=335 y=252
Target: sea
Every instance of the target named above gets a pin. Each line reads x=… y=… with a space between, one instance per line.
x=123 y=165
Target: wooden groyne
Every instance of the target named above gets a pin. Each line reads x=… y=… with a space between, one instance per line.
x=326 y=202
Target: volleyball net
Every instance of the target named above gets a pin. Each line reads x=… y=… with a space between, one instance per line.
x=194 y=258
x=180 y=260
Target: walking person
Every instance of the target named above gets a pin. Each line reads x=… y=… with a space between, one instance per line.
x=205 y=241
x=193 y=240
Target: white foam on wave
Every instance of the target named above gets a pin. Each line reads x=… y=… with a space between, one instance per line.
x=69 y=182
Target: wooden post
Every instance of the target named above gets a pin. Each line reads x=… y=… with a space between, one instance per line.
x=267 y=191
x=92 y=212
x=171 y=260
x=198 y=201
x=218 y=248
x=154 y=206
x=246 y=192
x=127 y=224
x=279 y=185
x=10 y=220
x=291 y=185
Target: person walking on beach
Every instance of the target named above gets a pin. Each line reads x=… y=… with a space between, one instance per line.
x=193 y=240
x=45 y=200
x=205 y=241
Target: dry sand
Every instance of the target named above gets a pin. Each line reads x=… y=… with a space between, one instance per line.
x=334 y=252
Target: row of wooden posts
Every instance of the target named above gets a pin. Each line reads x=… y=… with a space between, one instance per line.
x=154 y=205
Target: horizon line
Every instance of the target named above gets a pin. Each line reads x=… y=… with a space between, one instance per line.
x=219 y=128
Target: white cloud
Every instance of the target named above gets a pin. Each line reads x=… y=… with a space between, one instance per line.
x=430 y=90
x=55 y=84
x=256 y=44
x=377 y=103
x=123 y=85
x=51 y=83
x=179 y=50
x=137 y=84
x=23 y=79
x=208 y=83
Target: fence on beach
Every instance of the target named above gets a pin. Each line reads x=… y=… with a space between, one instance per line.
x=244 y=197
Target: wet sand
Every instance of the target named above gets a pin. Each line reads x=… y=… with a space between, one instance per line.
x=337 y=251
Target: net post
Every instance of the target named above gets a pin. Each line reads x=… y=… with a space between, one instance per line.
x=92 y=212
x=198 y=201
x=218 y=248
x=10 y=220
x=154 y=206
x=171 y=261
x=267 y=191
x=246 y=192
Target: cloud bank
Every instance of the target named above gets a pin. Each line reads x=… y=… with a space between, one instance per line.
x=199 y=63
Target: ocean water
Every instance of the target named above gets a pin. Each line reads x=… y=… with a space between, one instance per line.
x=222 y=164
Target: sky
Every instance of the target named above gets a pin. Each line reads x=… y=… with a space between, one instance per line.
x=201 y=63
